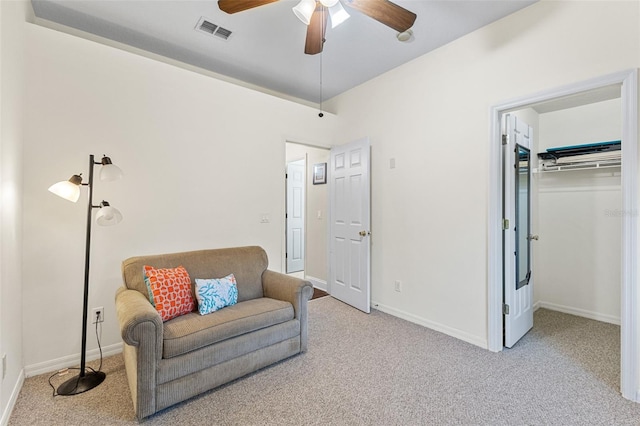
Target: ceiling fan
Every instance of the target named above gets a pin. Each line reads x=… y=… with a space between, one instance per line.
x=314 y=14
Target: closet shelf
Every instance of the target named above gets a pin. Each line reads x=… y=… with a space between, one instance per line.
x=599 y=155
x=607 y=164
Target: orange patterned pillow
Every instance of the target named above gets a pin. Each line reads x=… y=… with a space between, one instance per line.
x=170 y=291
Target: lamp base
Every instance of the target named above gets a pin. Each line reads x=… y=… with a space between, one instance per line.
x=80 y=384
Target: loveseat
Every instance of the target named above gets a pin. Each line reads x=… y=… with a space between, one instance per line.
x=169 y=362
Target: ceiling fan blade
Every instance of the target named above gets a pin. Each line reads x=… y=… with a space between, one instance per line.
x=235 y=6
x=316 y=30
x=386 y=12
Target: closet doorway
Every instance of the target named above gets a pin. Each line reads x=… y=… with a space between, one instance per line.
x=576 y=205
x=623 y=87
x=306 y=239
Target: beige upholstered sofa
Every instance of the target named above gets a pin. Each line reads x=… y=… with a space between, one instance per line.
x=169 y=362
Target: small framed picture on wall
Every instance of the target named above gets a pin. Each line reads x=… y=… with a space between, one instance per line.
x=319 y=173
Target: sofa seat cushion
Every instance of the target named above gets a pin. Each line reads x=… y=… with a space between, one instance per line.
x=193 y=331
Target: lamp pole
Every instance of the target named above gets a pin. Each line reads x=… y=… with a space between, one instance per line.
x=84 y=382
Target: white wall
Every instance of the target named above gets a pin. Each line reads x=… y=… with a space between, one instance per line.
x=430 y=212
x=317 y=198
x=12 y=18
x=597 y=122
x=577 y=266
x=202 y=158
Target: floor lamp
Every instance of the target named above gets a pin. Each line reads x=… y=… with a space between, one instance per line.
x=107 y=215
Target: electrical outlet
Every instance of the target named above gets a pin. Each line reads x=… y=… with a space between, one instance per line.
x=97 y=315
x=397 y=285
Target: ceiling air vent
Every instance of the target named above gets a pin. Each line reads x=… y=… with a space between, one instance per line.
x=209 y=28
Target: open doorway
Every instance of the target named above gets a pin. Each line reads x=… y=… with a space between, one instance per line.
x=576 y=209
x=575 y=225
x=310 y=240
x=625 y=83
x=570 y=245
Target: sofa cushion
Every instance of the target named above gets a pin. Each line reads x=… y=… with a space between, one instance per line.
x=193 y=331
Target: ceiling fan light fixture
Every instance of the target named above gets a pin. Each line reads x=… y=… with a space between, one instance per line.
x=405 y=36
x=338 y=14
x=329 y=3
x=304 y=10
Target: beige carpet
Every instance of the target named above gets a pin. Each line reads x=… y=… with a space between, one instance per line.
x=379 y=370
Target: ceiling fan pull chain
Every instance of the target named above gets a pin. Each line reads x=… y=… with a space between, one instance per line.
x=321 y=114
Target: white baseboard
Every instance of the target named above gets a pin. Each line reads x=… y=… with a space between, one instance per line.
x=317 y=282
x=70 y=360
x=577 y=312
x=450 y=331
x=12 y=400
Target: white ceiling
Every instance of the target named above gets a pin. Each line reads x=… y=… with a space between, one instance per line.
x=267 y=45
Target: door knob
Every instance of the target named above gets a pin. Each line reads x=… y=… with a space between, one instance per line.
x=532 y=237
x=364 y=233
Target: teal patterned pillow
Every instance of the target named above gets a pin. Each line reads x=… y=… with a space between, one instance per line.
x=216 y=293
x=147 y=282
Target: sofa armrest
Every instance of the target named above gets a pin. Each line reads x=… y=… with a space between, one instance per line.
x=133 y=310
x=293 y=290
x=141 y=329
x=284 y=287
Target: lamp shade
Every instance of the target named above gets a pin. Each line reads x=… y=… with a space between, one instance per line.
x=109 y=171
x=68 y=189
x=107 y=215
x=338 y=14
x=304 y=10
x=329 y=3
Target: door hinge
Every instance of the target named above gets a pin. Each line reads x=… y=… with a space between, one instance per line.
x=505 y=309
x=505 y=139
x=505 y=224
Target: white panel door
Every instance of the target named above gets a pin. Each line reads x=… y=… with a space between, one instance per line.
x=350 y=217
x=518 y=285
x=295 y=215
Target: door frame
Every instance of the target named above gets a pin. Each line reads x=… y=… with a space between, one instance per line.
x=629 y=339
